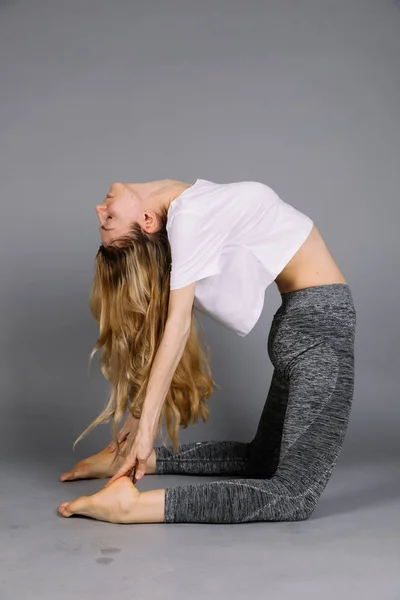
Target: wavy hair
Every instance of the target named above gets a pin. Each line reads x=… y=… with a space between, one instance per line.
x=129 y=300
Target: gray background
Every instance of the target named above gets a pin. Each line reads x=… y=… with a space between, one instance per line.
x=300 y=94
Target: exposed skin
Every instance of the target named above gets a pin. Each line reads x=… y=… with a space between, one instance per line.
x=120 y=503
x=102 y=465
x=126 y=203
x=312 y=265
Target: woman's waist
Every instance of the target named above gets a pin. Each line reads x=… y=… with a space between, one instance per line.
x=327 y=299
x=312 y=265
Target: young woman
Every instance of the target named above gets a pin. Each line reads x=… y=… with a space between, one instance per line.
x=168 y=246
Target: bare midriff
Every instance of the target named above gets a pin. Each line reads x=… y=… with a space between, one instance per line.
x=312 y=265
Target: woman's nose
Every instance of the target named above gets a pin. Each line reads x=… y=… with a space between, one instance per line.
x=101 y=213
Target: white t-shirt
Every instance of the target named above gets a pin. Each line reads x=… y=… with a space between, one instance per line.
x=233 y=239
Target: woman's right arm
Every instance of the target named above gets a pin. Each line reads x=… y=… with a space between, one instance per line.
x=169 y=353
x=172 y=345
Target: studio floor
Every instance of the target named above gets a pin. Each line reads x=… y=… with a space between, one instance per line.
x=349 y=548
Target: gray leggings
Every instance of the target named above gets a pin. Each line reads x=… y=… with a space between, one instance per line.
x=283 y=471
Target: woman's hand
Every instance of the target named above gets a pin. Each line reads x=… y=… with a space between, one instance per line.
x=130 y=426
x=136 y=455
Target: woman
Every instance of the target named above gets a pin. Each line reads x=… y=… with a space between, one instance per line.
x=227 y=243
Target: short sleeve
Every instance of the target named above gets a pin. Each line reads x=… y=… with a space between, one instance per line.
x=196 y=246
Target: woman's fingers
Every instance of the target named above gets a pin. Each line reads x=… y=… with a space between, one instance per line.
x=140 y=469
x=124 y=470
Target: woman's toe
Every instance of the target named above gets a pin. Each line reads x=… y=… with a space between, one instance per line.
x=63 y=510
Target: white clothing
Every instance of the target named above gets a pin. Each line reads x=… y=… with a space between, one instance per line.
x=233 y=240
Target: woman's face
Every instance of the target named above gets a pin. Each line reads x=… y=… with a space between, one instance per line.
x=120 y=209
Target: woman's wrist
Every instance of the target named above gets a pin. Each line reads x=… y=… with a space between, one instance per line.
x=148 y=424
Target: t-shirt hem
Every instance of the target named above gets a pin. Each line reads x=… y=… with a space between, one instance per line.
x=211 y=270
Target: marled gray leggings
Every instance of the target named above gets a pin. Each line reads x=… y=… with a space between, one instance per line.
x=285 y=468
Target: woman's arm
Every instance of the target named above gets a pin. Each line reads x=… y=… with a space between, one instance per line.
x=168 y=355
x=166 y=360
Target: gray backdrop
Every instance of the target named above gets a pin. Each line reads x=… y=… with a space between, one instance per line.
x=301 y=95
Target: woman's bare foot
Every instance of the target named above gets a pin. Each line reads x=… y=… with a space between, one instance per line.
x=102 y=465
x=115 y=504
x=120 y=502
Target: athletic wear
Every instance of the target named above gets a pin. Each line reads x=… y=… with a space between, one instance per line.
x=233 y=239
x=285 y=468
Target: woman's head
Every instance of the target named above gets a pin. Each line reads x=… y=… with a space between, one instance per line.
x=129 y=300
x=129 y=203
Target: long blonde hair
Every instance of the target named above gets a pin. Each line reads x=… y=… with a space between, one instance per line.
x=129 y=300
